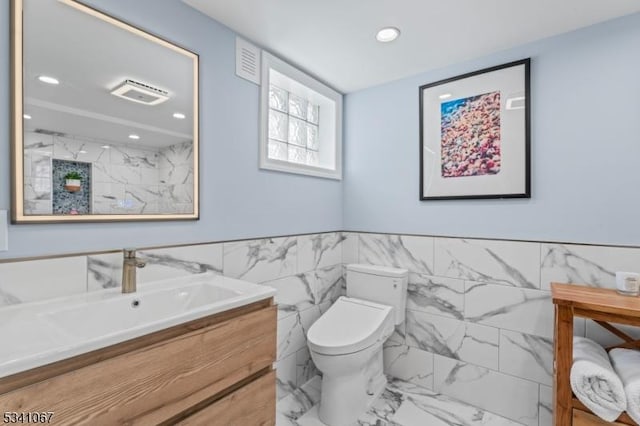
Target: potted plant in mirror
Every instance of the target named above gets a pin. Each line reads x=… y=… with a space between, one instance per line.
x=72 y=181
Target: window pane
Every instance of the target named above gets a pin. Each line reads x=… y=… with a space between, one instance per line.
x=297 y=106
x=278 y=150
x=297 y=132
x=312 y=113
x=278 y=125
x=294 y=140
x=312 y=158
x=297 y=155
x=312 y=137
x=278 y=98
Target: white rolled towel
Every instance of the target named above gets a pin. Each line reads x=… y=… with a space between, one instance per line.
x=594 y=381
x=626 y=362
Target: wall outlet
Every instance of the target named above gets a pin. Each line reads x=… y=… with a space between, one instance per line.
x=4 y=230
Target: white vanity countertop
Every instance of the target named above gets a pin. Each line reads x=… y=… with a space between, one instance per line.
x=39 y=333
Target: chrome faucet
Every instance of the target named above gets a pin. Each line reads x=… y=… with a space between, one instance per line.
x=129 y=266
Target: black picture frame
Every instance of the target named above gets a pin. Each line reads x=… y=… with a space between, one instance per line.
x=470 y=163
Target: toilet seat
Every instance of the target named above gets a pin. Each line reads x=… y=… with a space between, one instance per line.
x=350 y=325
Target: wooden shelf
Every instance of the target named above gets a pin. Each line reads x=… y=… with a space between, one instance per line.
x=603 y=306
x=595 y=299
x=624 y=417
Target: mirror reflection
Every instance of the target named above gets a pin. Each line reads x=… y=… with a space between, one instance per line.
x=109 y=117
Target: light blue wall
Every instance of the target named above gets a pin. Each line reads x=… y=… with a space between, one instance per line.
x=237 y=200
x=585 y=151
x=585 y=92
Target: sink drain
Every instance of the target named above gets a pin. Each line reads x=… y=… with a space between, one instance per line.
x=135 y=303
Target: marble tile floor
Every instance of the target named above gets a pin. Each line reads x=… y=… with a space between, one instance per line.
x=401 y=404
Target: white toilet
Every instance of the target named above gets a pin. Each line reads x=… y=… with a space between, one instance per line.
x=346 y=341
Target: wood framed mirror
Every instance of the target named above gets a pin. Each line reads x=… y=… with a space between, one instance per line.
x=104 y=119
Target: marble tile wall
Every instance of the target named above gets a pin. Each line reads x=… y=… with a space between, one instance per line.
x=33 y=280
x=308 y=277
x=305 y=270
x=175 y=174
x=125 y=179
x=38 y=150
x=479 y=323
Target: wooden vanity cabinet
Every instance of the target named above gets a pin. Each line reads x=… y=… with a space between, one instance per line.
x=212 y=371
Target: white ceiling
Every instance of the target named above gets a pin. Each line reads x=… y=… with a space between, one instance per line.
x=90 y=57
x=335 y=39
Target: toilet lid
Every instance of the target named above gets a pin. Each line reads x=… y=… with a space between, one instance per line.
x=350 y=325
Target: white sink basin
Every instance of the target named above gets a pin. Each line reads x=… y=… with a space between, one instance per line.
x=105 y=317
x=35 y=334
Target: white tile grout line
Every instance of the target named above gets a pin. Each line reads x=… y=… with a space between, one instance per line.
x=499 y=347
x=540 y=268
x=108 y=251
x=433 y=251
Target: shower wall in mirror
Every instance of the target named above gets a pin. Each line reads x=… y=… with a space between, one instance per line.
x=124 y=178
x=105 y=122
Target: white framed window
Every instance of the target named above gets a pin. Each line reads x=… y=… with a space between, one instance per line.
x=300 y=122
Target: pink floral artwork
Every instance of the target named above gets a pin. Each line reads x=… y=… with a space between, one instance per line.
x=470 y=136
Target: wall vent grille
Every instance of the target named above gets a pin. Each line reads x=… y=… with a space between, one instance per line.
x=247 y=61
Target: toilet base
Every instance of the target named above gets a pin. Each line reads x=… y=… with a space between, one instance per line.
x=345 y=398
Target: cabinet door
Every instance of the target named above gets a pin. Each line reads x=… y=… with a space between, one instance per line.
x=252 y=405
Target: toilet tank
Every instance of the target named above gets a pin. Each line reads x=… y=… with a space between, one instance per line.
x=380 y=284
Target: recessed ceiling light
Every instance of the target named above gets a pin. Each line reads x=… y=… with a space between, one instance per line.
x=132 y=136
x=445 y=96
x=48 y=80
x=179 y=115
x=26 y=117
x=387 y=34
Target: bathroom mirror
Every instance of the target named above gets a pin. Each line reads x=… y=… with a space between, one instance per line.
x=105 y=118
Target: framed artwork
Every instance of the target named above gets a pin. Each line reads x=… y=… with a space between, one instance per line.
x=475 y=135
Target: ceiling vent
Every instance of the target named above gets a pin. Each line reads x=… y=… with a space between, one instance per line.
x=247 y=61
x=141 y=93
